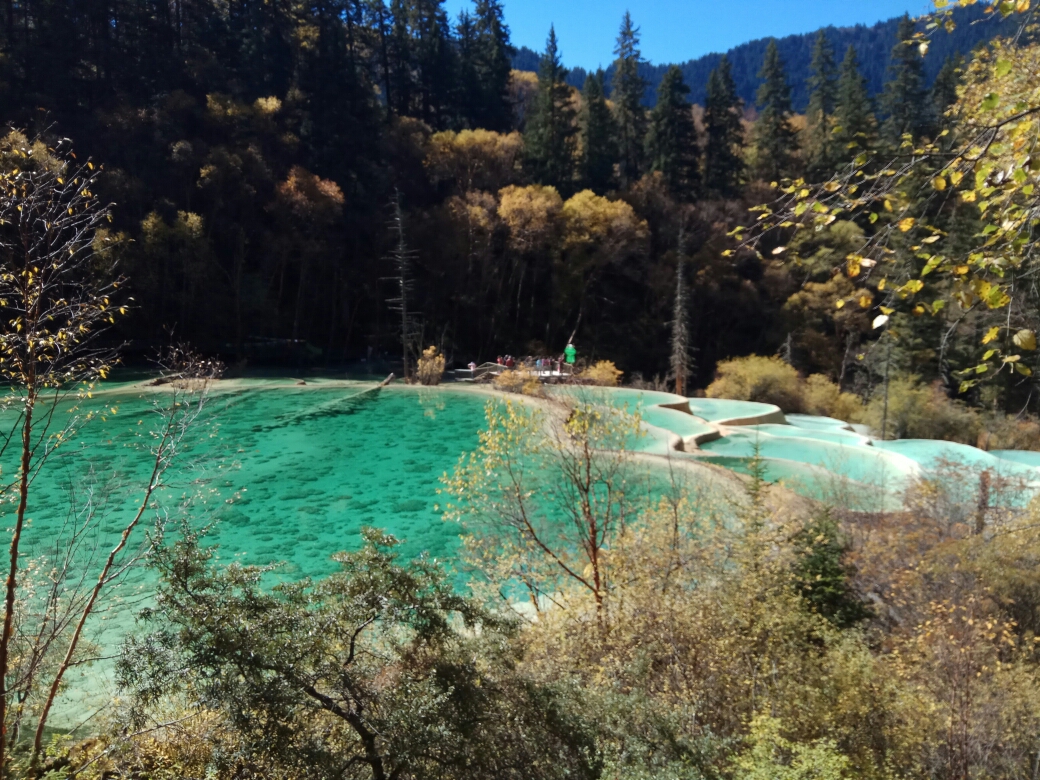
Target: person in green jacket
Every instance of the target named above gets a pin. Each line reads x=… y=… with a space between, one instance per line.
x=569 y=354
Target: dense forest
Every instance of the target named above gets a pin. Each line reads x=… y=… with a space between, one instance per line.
x=255 y=151
x=873 y=45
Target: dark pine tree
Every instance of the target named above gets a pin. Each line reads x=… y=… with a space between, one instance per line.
x=421 y=61
x=263 y=30
x=855 y=128
x=434 y=62
x=724 y=134
x=549 y=140
x=494 y=63
x=905 y=99
x=822 y=82
x=775 y=137
x=340 y=97
x=671 y=142
x=401 y=79
x=381 y=29
x=626 y=91
x=470 y=94
x=599 y=149
x=822 y=575
x=944 y=90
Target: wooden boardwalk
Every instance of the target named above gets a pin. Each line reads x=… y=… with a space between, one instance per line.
x=494 y=369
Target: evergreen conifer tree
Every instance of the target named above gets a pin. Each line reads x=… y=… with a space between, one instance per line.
x=549 y=140
x=434 y=61
x=775 y=139
x=724 y=131
x=263 y=32
x=399 y=45
x=627 y=88
x=381 y=26
x=855 y=126
x=822 y=98
x=944 y=90
x=493 y=65
x=671 y=142
x=599 y=150
x=421 y=60
x=470 y=95
x=823 y=576
x=905 y=99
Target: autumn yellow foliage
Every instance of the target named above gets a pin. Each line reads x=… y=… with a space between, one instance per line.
x=603 y=373
x=767 y=380
x=431 y=367
x=475 y=160
x=519 y=381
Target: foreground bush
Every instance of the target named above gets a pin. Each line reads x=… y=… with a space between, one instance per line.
x=379 y=671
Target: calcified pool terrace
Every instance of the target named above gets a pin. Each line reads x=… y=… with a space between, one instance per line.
x=817 y=457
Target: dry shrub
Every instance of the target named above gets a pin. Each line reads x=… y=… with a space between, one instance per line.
x=604 y=373
x=1002 y=432
x=522 y=382
x=657 y=383
x=823 y=397
x=768 y=380
x=918 y=411
x=431 y=367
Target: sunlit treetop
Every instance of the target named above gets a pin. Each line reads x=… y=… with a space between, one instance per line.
x=981 y=168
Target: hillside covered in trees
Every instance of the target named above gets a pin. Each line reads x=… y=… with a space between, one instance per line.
x=873 y=44
x=257 y=152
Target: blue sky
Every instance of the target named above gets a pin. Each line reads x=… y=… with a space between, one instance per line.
x=678 y=30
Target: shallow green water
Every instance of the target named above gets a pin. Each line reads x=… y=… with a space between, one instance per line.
x=290 y=474
x=720 y=410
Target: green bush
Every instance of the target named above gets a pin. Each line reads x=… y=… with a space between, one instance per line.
x=768 y=380
x=918 y=411
x=823 y=397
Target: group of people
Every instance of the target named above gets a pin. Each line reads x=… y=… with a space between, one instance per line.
x=551 y=365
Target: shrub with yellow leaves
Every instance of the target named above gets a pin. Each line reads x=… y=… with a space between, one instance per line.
x=603 y=373
x=519 y=381
x=767 y=380
x=431 y=367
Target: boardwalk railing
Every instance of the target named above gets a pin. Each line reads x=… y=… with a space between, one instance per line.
x=494 y=369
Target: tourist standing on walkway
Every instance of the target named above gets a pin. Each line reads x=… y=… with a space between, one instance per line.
x=570 y=354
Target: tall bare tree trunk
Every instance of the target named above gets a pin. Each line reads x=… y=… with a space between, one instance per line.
x=680 y=358
x=401 y=257
x=11 y=589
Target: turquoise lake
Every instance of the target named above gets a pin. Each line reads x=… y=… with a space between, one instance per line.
x=288 y=473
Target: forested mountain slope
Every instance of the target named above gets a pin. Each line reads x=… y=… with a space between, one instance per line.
x=872 y=43
x=256 y=153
